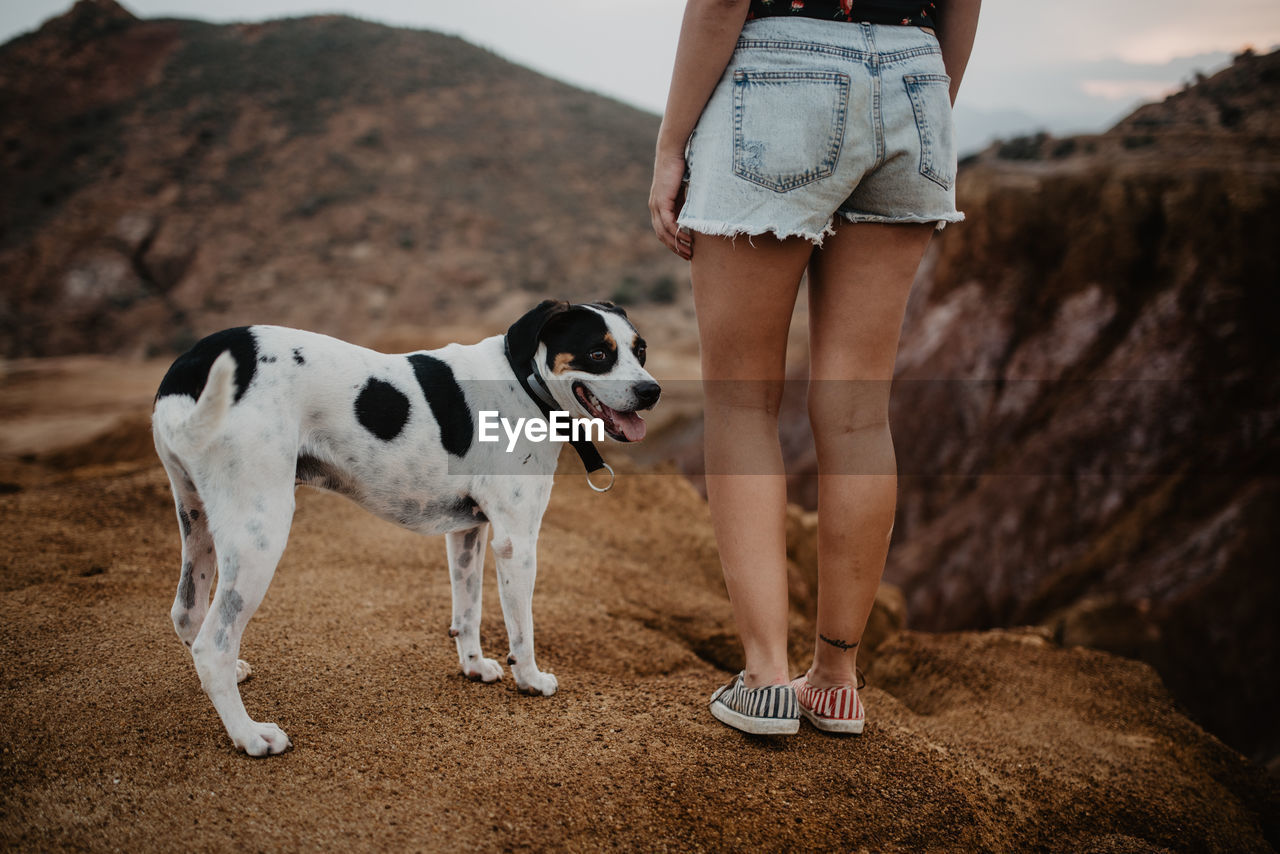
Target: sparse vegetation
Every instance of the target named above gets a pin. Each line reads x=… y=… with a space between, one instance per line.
x=1063 y=148
x=663 y=290
x=1023 y=147
x=627 y=291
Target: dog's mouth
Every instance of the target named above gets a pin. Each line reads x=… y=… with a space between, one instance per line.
x=623 y=426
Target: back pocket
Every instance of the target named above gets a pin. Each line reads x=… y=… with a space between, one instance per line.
x=931 y=101
x=788 y=126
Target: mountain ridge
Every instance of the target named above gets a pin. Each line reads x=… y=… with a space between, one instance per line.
x=232 y=173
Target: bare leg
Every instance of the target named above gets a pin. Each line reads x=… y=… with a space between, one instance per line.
x=744 y=295
x=859 y=282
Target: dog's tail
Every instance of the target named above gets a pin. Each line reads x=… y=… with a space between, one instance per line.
x=192 y=434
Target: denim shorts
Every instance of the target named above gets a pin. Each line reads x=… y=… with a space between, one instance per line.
x=814 y=119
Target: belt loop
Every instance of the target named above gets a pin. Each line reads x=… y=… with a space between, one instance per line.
x=869 y=35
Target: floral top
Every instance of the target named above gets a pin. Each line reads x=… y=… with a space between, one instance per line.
x=920 y=13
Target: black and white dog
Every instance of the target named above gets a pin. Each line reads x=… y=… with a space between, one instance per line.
x=247 y=414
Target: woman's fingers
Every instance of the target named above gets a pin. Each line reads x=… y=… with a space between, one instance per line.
x=664 y=197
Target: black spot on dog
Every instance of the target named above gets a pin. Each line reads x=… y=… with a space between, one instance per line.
x=189 y=373
x=313 y=471
x=194 y=514
x=453 y=633
x=297 y=356
x=448 y=403
x=183 y=622
x=267 y=360
x=464 y=561
x=232 y=605
x=185 y=520
x=469 y=538
x=382 y=409
x=187 y=586
x=511 y=659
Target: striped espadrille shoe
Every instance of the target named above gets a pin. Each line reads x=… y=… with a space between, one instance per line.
x=830 y=709
x=771 y=710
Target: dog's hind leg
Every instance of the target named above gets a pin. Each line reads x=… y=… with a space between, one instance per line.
x=191 y=602
x=466 y=576
x=250 y=530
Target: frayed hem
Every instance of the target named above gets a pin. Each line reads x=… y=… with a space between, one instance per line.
x=941 y=221
x=724 y=229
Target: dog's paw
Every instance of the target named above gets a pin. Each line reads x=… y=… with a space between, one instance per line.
x=539 y=685
x=243 y=670
x=482 y=670
x=263 y=740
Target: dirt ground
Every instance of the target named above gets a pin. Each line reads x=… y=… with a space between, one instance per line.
x=976 y=741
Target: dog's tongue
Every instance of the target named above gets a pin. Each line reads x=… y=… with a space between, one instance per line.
x=631 y=425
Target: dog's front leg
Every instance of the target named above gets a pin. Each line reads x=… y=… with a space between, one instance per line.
x=517 y=568
x=466 y=575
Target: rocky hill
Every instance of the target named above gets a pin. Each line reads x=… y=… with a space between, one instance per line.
x=165 y=178
x=1089 y=398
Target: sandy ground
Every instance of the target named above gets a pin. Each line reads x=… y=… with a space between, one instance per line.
x=992 y=741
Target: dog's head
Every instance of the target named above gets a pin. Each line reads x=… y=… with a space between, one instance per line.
x=591 y=359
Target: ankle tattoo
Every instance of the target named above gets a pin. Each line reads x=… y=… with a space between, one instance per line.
x=838 y=644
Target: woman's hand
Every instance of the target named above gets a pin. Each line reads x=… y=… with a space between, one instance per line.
x=708 y=36
x=664 y=198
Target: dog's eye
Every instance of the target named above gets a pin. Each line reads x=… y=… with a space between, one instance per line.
x=597 y=355
x=640 y=353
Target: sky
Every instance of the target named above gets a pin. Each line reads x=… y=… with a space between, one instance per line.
x=1037 y=64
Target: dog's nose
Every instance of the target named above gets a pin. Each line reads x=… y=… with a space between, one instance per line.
x=647 y=393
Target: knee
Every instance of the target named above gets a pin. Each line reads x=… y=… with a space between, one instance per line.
x=754 y=399
x=838 y=408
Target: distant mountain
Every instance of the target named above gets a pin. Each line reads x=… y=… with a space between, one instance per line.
x=1068 y=98
x=164 y=178
x=977 y=128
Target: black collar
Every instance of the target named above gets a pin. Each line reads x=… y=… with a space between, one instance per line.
x=532 y=383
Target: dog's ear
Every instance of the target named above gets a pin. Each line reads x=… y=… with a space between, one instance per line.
x=523 y=335
x=609 y=306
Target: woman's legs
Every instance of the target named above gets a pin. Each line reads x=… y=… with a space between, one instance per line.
x=744 y=292
x=858 y=287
